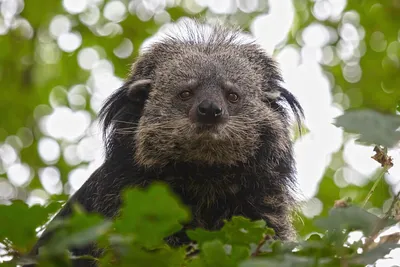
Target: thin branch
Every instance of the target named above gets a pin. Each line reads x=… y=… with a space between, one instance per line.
x=262 y=242
x=380 y=176
x=381 y=223
x=386 y=162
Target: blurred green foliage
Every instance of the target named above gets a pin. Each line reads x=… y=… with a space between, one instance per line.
x=377 y=54
x=240 y=242
x=36 y=75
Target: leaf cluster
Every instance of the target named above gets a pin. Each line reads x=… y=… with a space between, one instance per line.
x=137 y=237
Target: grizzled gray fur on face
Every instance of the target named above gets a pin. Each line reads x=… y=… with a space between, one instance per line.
x=208 y=64
x=204 y=112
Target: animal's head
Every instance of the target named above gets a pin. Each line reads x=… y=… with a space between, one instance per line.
x=206 y=96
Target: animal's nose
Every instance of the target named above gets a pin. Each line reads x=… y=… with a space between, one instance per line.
x=208 y=112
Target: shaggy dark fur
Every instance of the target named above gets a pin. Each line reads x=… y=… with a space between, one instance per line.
x=243 y=166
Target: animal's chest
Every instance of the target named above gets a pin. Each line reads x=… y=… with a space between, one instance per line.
x=212 y=203
x=210 y=207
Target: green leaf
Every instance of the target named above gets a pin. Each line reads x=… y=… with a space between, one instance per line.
x=371 y=256
x=78 y=230
x=240 y=230
x=279 y=247
x=350 y=218
x=151 y=215
x=18 y=222
x=201 y=235
x=380 y=80
x=214 y=254
x=239 y=253
x=319 y=248
x=166 y=257
x=373 y=127
x=286 y=261
x=59 y=260
x=239 y=233
x=7 y=264
x=196 y=262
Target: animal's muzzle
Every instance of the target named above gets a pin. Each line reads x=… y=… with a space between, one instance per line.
x=209 y=113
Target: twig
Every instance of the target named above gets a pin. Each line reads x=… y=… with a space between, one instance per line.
x=386 y=162
x=262 y=242
x=392 y=238
x=380 y=176
x=83 y=257
x=381 y=224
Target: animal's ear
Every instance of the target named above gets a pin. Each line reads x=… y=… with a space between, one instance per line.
x=289 y=98
x=125 y=105
x=274 y=92
x=139 y=90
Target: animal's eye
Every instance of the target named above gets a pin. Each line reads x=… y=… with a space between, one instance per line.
x=233 y=97
x=185 y=95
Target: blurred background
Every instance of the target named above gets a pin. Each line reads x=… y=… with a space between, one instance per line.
x=59 y=60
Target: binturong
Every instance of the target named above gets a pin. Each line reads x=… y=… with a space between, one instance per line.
x=203 y=110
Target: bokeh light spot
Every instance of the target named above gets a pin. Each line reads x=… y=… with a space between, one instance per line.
x=26 y=136
x=91 y=16
x=88 y=148
x=37 y=196
x=19 y=174
x=77 y=177
x=50 y=179
x=8 y=155
x=312 y=208
x=70 y=41
x=87 y=58
x=125 y=49
x=7 y=190
x=70 y=155
x=59 y=124
x=59 y=24
x=49 y=150
x=75 y=6
x=378 y=42
x=114 y=11
x=248 y=6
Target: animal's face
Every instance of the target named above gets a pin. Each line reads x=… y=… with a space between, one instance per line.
x=210 y=101
x=205 y=108
x=207 y=89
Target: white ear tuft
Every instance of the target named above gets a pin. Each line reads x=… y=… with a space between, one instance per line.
x=138 y=88
x=272 y=95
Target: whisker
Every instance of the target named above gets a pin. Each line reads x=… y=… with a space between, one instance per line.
x=127 y=122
